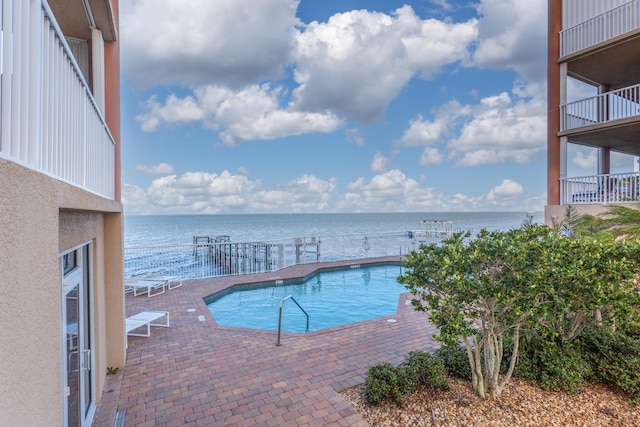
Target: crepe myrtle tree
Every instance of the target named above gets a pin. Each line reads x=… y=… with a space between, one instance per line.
x=485 y=290
x=470 y=288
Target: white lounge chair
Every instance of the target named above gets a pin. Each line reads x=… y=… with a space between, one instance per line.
x=145 y=319
x=140 y=285
x=171 y=281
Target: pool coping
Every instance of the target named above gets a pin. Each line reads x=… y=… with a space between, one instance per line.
x=294 y=280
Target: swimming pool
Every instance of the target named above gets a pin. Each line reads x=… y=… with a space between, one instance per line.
x=330 y=297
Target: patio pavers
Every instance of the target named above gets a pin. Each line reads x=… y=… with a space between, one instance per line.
x=201 y=374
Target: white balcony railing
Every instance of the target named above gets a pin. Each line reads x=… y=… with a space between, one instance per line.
x=589 y=22
x=49 y=120
x=618 y=104
x=600 y=189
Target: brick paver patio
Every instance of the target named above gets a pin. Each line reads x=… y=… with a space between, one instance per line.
x=201 y=374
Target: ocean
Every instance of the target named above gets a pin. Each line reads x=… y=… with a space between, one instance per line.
x=255 y=243
x=165 y=230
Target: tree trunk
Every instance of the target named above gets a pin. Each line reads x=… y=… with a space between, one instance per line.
x=475 y=361
x=597 y=313
x=514 y=359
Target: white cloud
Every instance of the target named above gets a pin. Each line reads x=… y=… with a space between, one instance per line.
x=159 y=169
x=502 y=129
x=431 y=157
x=393 y=191
x=134 y=200
x=174 y=110
x=513 y=34
x=577 y=90
x=389 y=191
x=507 y=127
x=305 y=194
x=353 y=135
x=348 y=68
x=507 y=188
x=444 y=4
x=209 y=193
x=423 y=132
x=358 y=62
x=250 y=113
x=586 y=158
x=379 y=163
x=206 y=41
x=201 y=192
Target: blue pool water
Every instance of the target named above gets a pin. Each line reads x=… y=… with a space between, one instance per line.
x=331 y=298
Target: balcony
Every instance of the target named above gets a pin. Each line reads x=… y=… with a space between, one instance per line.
x=619 y=188
x=604 y=27
x=49 y=119
x=610 y=119
x=615 y=105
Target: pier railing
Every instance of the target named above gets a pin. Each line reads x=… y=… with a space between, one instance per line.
x=212 y=259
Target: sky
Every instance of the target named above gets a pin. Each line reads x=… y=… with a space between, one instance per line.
x=323 y=106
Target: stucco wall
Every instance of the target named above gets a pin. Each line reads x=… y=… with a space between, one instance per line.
x=39 y=218
x=555 y=213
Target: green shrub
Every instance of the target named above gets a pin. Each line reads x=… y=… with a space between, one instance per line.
x=615 y=357
x=455 y=360
x=426 y=370
x=386 y=381
x=554 y=366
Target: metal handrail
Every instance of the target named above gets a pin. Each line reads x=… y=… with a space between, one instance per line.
x=280 y=315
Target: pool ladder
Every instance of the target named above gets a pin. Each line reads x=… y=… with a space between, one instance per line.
x=280 y=315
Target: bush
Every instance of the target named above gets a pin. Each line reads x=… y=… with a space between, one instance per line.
x=386 y=381
x=554 y=366
x=455 y=361
x=426 y=370
x=615 y=357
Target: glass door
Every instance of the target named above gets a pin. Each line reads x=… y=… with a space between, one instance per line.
x=76 y=324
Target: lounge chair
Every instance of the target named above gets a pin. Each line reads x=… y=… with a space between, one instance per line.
x=171 y=281
x=145 y=319
x=140 y=285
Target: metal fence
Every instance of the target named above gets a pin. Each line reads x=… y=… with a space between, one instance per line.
x=211 y=258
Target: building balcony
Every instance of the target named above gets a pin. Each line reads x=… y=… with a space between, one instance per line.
x=606 y=26
x=49 y=118
x=605 y=189
x=610 y=119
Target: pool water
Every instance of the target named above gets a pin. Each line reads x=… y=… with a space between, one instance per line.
x=331 y=298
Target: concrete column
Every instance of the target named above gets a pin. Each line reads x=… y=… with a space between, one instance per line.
x=553 y=102
x=604 y=160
